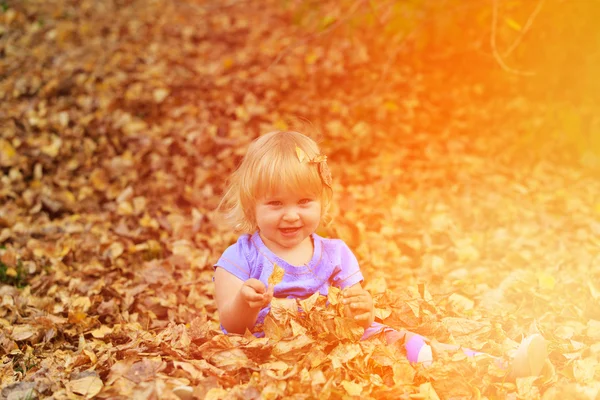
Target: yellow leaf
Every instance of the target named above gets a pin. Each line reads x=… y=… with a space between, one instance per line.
x=377 y=285
x=301 y=154
x=76 y=317
x=99 y=180
x=23 y=332
x=343 y=353
x=466 y=251
x=585 y=370
x=227 y=63
x=404 y=373
x=7 y=152
x=382 y=313
x=390 y=106
x=242 y=114
x=593 y=329
x=297 y=329
x=526 y=388
x=595 y=293
x=460 y=303
x=464 y=326
x=289 y=349
x=216 y=394
x=427 y=390
x=317 y=377
x=114 y=251
x=327 y=21
x=311 y=58
x=133 y=127
x=83 y=303
x=88 y=386
x=277 y=275
x=308 y=304
x=333 y=295
x=513 y=24
x=102 y=331
x=353 y=389
x=160 y=94
x=282 y=309
x=546 y=281
x=414 y=306
x=53 y=148
x=280 y=125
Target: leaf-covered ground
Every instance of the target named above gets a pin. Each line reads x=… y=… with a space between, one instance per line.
x=120 y=122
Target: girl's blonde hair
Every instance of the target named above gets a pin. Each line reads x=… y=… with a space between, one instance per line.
x=272 y=164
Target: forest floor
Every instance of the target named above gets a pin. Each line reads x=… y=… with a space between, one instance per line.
x=121 y=121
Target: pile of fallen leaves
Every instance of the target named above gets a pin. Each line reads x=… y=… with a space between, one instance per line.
x=122 y=119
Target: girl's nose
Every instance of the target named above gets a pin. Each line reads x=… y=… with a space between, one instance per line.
x=291 y=215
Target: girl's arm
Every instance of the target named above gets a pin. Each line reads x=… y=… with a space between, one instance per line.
x=239 y=301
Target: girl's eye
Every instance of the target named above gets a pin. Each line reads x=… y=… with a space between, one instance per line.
x=274 y=203
x=305 y=201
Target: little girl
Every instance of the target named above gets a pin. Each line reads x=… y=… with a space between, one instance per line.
x=278 y=197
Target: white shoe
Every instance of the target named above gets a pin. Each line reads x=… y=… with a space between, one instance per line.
x=425 y=357
x=184 y=392
x=530 y=357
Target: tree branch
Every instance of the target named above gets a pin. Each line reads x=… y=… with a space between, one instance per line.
x=525 y=29
x=495 y=52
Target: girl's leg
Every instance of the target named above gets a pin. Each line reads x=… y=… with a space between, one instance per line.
x=528 y=360
x=417 y=349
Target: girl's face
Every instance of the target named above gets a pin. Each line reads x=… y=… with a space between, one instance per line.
x=285 y=220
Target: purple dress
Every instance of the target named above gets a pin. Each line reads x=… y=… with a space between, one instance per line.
x=332 y=264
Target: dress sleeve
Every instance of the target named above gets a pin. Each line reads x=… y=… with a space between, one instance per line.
x=234 y=261
x=347 y=273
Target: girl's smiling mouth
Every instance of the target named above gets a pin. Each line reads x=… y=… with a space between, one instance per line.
x=289 y=231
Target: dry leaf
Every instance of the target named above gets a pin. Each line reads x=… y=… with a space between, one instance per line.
x=276 y=276
x=308 y=303
x=546 y=281
x=23 y=332
x=352 y=388
x=302 y=157
x=88 y=386
x=460 y=303
x=102 y=331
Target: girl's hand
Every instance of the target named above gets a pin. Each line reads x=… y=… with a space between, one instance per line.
x=359 y=303
x=256 y=294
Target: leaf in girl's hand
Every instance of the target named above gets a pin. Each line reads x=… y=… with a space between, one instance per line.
x=334 y=295
x=277 y=275
x=301 y=154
